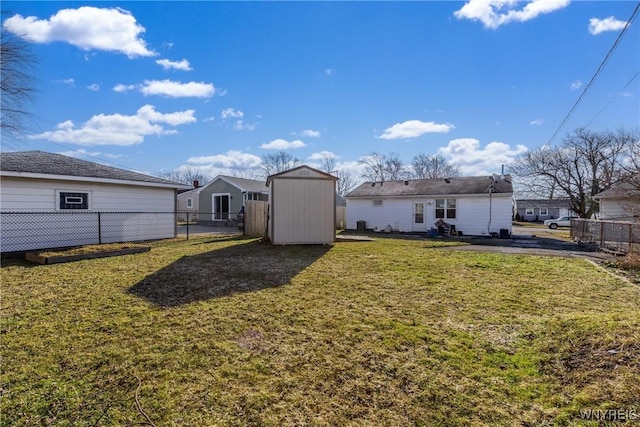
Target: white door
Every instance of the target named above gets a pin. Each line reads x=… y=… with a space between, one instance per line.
x=419 y=216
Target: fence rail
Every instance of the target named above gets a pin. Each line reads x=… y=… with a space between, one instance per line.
x=616 y=236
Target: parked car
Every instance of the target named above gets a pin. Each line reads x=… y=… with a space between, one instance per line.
x=563 y=221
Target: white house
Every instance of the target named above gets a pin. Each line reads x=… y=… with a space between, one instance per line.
x=302 y=207
x=49 y=200
x=188 y=202
x=473 y=205
x=619 y=203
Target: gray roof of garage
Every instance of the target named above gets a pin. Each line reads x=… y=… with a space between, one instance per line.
x=40 y=162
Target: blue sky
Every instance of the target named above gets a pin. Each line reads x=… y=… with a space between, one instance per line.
x=155 y=86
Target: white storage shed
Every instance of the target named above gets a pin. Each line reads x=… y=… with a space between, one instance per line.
x=302 y=207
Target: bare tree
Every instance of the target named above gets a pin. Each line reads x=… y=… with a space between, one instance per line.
x=328 y=163
x=585 y=164
x=188 y=175
x=278 y=162
x=346 y=182
x=16 y=85
x=435 y=166
x=380 y=167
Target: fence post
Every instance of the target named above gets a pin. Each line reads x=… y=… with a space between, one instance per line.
x=187 y=225
x=99 y=229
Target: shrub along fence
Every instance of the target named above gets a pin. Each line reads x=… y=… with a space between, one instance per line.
x=615 y=236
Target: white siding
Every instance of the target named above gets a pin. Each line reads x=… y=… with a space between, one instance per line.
x=472 y=215
x=619 y=210
x=29 y=195
x=29 y=219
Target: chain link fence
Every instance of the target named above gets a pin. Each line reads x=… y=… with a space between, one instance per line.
x=24 y=231
x=616 y=236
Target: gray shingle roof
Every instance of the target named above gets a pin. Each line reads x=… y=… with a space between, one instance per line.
x=40 y=162
x=251 y=185
x=433 y=187
x=543 y=203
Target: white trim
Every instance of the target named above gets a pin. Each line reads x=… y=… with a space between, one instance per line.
x=213 y=206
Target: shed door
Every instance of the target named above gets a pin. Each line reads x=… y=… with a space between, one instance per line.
x=419 y=216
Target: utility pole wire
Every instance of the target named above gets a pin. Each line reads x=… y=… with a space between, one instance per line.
x=600 y=67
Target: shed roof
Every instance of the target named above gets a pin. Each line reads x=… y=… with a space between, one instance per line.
x=39 y=164
x=433 y=187
x=318 y=174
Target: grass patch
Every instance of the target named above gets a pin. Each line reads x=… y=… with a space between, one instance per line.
x=87 y=249
x=228 y=331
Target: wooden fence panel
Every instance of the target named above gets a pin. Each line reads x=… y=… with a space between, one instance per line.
x=255 y=217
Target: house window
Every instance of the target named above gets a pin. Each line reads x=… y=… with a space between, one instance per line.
x=377 y=202
x=253 y=196
x=73 y=200
x=446 y=208
x=190 y=203
x=544 y=211
x=529 y=212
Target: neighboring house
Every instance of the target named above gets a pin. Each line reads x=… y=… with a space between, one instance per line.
x=50 y=200
x=619 y=203
x=302 y=207
x=542 y=209
x=222 y=198
x=473 y=205
x=189 y=202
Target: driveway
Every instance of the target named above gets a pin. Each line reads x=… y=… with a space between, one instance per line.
x=533 y=241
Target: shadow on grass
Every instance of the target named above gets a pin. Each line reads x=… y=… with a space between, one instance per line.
x=245 y=267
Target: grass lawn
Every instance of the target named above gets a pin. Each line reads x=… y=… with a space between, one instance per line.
x=395 y=332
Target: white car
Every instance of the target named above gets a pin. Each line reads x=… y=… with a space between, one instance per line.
x=563 y=221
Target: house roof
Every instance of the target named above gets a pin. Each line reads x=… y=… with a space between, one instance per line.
x=620 y=191
x=39 y=164
x=543 y=203
x=433 y=187
x=243 y=184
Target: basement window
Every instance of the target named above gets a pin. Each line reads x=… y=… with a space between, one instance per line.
x=73 y=201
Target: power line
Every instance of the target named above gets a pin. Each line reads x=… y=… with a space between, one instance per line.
x=611 y=100
x=600 y=67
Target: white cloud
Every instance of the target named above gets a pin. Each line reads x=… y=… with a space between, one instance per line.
x=414 y=129
x=88 y=28
x=232 y=113
x=94 y=87
x=575 y=85
x=282 y=144
x=123 y=88
x=240 y=125
x=322 y=155
x=174 y=65
x=118 y=129
x=311 y=133
x=328 y=71
x=474 y=160
x=536 y=122
x=230 y=160
x=68 y=82
x=177 y=89
x=494 y=13
x=210 y=119
x=597 y=26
